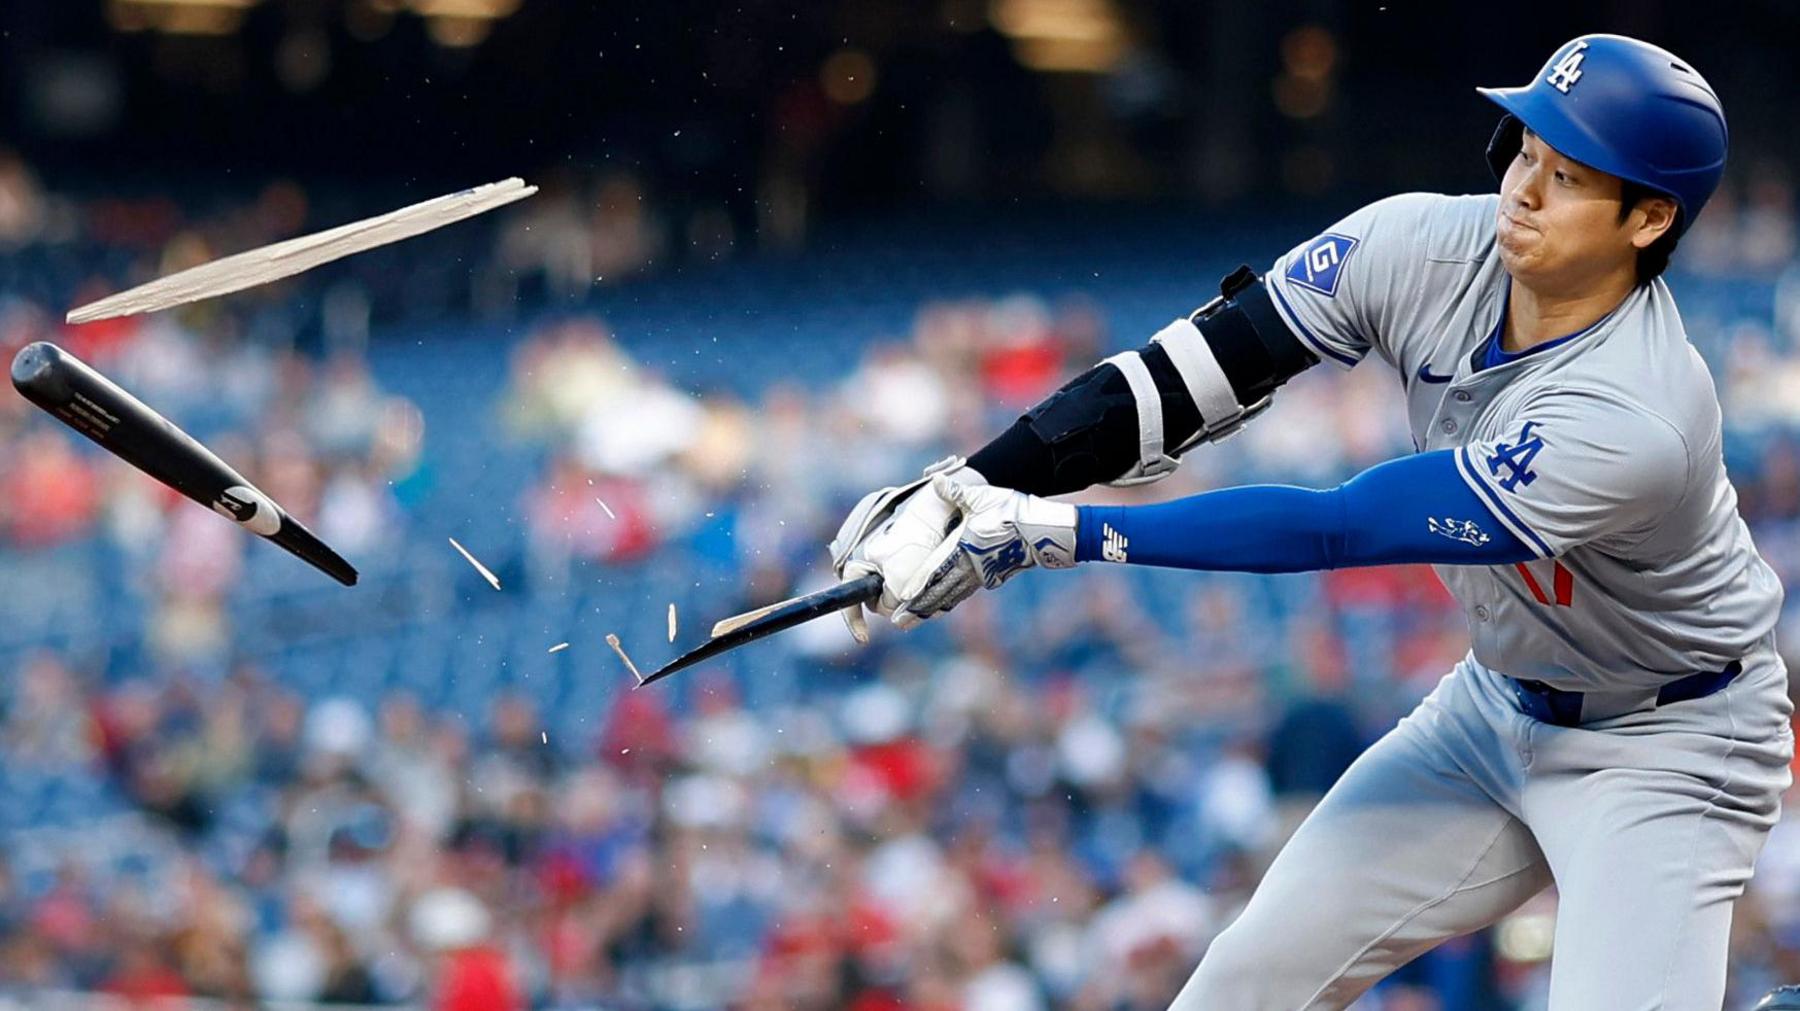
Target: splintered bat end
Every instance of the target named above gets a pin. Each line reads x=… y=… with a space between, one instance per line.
x=736 y=621
x=294 y=256
x=486 y=573
x=733 y=632
x=613 y=641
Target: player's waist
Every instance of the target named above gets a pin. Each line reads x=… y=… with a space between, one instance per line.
x=1567 y=708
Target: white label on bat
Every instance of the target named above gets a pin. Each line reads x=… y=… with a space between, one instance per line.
x=249 y=508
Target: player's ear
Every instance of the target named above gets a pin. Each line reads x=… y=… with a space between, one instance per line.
x=1652 y=217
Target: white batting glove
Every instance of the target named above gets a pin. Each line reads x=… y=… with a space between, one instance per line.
x=891 y=532
x=1002 y=533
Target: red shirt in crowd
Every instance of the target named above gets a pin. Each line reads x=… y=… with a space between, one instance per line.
x=477 y=979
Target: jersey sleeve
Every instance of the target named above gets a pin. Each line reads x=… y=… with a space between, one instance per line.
x=1577 y=467
x=1336 y=290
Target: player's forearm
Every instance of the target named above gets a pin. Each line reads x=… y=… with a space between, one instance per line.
x=1128 y=418
x=1087 y=432
x=1415 y=509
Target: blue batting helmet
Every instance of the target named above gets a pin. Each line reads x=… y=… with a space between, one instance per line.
x=1624 y=107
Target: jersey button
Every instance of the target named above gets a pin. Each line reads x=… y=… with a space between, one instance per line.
x=1481 y=613
x=1463 y=396
x=1448 y=425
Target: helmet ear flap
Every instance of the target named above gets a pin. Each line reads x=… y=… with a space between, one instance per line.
x=1508 y=137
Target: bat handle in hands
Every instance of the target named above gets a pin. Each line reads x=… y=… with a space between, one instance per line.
x=891 y=533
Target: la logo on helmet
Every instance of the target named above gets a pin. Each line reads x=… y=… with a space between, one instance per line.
x=1567 y=70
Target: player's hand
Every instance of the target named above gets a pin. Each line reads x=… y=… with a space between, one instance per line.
x=891 y=533
x=1002 y=533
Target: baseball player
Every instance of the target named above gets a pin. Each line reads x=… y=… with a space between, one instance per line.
x=1620 y=726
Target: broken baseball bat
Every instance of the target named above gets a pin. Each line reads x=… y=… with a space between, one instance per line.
x=80 y=397
x=765 y=621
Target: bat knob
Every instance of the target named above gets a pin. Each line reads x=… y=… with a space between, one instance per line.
x=34 y=369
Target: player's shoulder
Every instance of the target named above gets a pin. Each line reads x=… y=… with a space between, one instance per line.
x=1644 y=386
x=1608 y=405
x=1646 y=356
x=1437 y=226
x=1392 y=239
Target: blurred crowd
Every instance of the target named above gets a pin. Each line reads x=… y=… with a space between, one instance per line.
x=1053 y=798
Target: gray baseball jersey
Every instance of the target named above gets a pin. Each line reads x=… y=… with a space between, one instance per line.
x=1602 y=454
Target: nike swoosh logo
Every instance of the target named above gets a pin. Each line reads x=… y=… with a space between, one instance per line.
x=1425 y=375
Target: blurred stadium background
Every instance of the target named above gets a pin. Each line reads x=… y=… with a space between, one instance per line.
x=766 y=228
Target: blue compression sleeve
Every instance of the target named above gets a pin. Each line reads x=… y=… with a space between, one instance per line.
x=1415 y=509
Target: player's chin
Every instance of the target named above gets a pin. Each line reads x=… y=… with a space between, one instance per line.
x=1518 y=262
x=1523 y=254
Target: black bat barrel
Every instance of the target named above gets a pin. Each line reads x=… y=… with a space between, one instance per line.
x=124 y=426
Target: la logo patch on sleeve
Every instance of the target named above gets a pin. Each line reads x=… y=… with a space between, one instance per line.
x=1318 y=265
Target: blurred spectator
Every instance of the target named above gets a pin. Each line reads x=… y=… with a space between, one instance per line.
x=22 y=208
x=50 y=495
x=1767 y=243
x=141 y=977
x=47 y=721
x=475 y=976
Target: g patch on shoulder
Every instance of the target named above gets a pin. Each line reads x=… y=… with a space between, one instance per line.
x=1318 y=266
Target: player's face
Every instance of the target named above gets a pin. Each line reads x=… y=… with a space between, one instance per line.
x=1559 y=226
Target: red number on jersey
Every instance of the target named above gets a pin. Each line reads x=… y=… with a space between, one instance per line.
x=1563 y=584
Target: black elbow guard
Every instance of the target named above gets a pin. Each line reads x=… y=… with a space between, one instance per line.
x=1200 y=378
x=1255 y=349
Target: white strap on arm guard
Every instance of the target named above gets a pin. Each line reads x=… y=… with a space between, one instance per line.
x=1152 y=463
x=1206 y=384
x=1199 y=379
